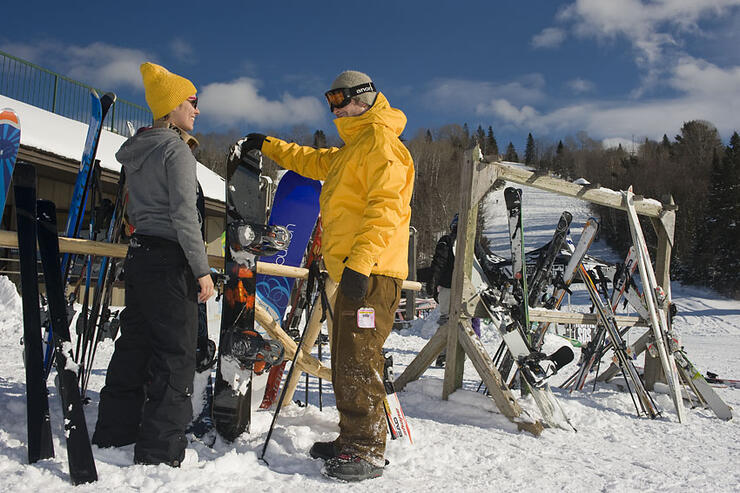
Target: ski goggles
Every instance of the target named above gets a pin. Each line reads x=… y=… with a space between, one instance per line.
x=340 y=97
x=194 y=101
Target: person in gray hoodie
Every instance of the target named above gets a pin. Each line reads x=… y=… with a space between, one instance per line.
x=146 y=398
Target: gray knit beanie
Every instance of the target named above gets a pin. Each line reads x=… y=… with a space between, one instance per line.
x=351 y=78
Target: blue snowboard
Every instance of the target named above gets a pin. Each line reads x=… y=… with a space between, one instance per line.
x=296 y=206
x=10 y=140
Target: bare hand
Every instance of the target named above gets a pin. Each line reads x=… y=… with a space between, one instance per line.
x=206 y=288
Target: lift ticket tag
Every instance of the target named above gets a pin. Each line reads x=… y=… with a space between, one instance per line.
x=366 y=318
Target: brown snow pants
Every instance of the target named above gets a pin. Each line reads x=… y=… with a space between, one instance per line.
x=357 y=368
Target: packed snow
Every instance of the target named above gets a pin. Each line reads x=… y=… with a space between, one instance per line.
x=461 y=444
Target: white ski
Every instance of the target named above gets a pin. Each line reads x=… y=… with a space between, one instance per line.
x=657 y=316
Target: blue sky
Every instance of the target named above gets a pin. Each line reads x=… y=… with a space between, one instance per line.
x=621 y=70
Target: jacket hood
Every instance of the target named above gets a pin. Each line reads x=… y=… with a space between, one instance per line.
x=137 y=149
x=380 y=113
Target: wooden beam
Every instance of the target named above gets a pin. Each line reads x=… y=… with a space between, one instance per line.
x=555 y=316
x=500 y=393
x=601 y=196
x=307 y=363
x=424 y=358
x=9 y=239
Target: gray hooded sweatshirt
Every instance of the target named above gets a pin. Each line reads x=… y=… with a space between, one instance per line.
x=162 y=184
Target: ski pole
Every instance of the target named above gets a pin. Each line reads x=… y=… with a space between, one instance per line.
x=314 y=272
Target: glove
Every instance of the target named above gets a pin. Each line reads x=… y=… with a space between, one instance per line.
x=431 y=289
x=252 y=142
x=239 y=151
x=353 y=284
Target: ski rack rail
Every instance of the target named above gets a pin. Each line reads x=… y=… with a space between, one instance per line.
x=9 y=239
x=479 y=175
x=305 y=361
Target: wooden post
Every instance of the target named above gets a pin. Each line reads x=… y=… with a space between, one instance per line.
x=465 y=240
x=458 y=333
x=309 y=340
x=664 y=228
x=411 y=295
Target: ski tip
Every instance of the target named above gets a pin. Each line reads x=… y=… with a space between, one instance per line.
x=9 y=116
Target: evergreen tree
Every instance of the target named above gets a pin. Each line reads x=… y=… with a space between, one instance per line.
x=511 y=154
x=530 y=153
x=491 y=144
x=428 y=137
x=480 y=138
x=319 y=139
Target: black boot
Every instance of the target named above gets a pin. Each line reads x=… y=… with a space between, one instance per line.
x=323 y=450
x=351 y=468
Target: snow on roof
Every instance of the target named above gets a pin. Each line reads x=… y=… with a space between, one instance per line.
x=49 y=132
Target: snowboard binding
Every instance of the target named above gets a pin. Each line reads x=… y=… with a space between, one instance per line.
x=251 y=350
x=258 y=239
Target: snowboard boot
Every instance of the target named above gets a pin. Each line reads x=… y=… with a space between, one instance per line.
x=250 y=349
x=323 y=450
x=351 y=468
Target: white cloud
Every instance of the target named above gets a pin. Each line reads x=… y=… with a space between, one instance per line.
x=467 y=95
x=239 y=101
x=549 y=38
x=614 y=142
x=181 y=49
x=706 y=92
x=579 y=85
x=650 y=26
x=97 y=64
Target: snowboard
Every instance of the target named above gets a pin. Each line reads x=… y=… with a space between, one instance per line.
x=40 y=445
x=242 y=351
x=295 y=206
x=10 y=141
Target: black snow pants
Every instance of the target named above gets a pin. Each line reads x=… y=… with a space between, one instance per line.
x=146 y=398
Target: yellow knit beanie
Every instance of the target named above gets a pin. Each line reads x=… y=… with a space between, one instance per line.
x=164 y=90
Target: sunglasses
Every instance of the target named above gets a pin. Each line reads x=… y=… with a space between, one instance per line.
x=194 y=101
x=340 y=97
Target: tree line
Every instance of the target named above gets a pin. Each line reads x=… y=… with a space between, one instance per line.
x=694 y=169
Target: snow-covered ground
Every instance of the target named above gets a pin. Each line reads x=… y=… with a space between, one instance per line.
x=462 y=444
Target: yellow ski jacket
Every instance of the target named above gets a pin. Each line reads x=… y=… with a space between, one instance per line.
x=366 y=196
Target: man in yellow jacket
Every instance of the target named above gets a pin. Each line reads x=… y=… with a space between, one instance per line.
x=365 y=210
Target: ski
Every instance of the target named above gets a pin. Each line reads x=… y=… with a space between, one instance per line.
x=99 y=110
x=40 y=444
x=10 y=141
x=79 y=452
x=547 y=258
x=528 y=362
x=658 y=320
x=564 y=281
x=398 y=425
x=701 y=386
x=99 y=318
x=609 y=324
x=241 y=349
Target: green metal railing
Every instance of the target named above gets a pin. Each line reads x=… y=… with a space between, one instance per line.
x=54 y=92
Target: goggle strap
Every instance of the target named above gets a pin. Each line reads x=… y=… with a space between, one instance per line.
x=362 y=88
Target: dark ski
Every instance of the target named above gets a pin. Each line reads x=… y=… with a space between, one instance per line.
x=40 y=445
x=81 y=461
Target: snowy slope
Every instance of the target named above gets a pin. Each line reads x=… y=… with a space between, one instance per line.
x=462 y=444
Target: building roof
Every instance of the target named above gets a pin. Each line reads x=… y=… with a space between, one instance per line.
x=55 y=134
